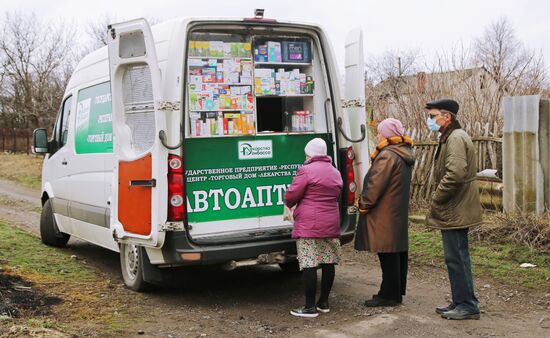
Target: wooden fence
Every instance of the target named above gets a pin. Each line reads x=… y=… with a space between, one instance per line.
x=15 y=140
x=489 y=156
x=488 y=149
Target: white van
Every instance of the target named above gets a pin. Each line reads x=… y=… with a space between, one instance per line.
x=174 y=145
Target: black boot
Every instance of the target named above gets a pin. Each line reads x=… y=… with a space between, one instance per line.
x=378 y=301
x=322 y=306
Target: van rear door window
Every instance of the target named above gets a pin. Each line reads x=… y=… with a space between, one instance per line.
x=139 y=113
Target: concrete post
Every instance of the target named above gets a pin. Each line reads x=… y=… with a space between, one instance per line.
x=544 y=147
x=525 y=154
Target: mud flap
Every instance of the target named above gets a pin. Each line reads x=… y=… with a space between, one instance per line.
x=152 y=274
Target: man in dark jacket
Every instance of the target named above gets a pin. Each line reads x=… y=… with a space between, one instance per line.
x=455 y=205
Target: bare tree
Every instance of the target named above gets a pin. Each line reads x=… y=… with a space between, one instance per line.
x=386 y=79
x=478 y=77
x=36 y=61
x=33 y=64
x=515 y=70
x=96 y=30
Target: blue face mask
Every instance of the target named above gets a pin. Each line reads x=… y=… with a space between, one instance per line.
x=432 y=125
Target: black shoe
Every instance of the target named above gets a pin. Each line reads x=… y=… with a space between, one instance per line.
x=323 y=307
x=377 y=301
x=460 y=314
x=440 y=309
x=305 y=312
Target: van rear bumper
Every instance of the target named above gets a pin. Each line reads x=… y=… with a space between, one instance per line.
x=177 y=243
x=221 y=253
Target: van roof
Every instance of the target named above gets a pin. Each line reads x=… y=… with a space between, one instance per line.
x=94 y=67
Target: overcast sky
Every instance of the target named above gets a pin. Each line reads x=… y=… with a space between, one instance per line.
x=426 y=25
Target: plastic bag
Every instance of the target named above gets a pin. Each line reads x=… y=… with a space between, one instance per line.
x=287 y=215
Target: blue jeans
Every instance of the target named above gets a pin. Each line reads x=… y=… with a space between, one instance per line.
x=457 y=259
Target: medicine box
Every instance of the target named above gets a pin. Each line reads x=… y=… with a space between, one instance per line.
x=298 y=51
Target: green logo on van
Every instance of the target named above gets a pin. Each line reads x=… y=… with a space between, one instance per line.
x=253 y=150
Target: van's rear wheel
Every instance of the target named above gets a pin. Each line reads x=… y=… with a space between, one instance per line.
x=49 y=232
x=132 y=267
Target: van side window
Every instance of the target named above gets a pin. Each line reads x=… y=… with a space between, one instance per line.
x=65 y=121
x=61 y=126
x=56 y=132
x=93 y=132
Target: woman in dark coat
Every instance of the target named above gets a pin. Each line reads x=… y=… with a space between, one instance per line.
x=384 y=208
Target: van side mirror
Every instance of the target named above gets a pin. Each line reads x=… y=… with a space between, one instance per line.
x=40 y=141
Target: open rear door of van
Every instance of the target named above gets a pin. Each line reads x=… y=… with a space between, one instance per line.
x=139 y=203
x=354 y=107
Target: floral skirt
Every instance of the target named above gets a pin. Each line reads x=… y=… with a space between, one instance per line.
x=315 y=251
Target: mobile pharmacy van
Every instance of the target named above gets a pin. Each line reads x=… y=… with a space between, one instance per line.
x=174 y=145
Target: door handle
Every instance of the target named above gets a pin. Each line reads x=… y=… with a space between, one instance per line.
x=64 y=162
x=360 y=139
x=144 y=183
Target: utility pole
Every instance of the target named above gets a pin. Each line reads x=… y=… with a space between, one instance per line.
x=399 y=66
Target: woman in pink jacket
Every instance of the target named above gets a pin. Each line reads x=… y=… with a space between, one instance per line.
x=315 y=191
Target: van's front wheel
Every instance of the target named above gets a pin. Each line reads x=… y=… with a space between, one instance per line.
x=132 y=267
x=49 y=232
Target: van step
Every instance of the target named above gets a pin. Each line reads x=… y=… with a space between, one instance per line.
x=244 y=237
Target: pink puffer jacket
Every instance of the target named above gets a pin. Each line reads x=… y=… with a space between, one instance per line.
x=315 y=189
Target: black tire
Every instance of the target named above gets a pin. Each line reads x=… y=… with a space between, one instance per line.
x=290 y=267
x=49 y=232
x=131 y=266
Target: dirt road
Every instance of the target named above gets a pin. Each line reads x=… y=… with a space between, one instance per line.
x=254 y=302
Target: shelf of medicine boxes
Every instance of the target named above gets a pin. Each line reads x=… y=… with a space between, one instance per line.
x=245 y=58
x=221 y=110
x=224 y=83
x=290 y=64
x=286 y=95
x=293 y=64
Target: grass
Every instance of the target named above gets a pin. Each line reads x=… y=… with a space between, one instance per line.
x=43 y=323
x=21 y=168
x=498 y=260
x=80 y=286
x=26 y=252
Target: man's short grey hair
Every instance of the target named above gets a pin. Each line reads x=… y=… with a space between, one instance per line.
x=444 y=111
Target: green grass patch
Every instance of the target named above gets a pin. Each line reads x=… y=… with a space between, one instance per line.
x=27 y=253
x=117 y=323
x=500 y=261
x=43 y=323
x=21 y=168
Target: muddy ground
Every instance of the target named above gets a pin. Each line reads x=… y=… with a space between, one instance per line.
x=254 y=301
